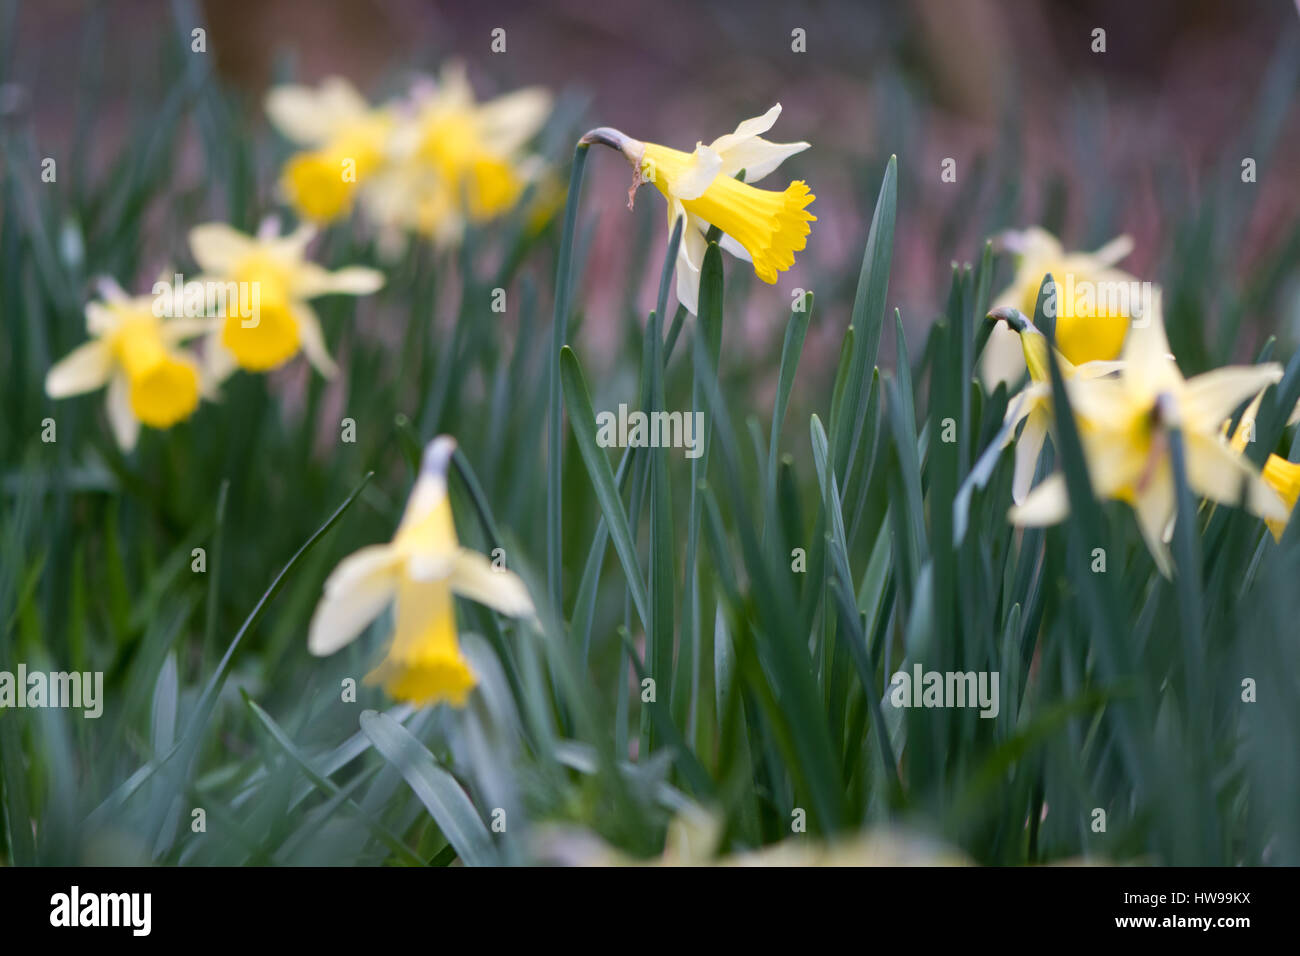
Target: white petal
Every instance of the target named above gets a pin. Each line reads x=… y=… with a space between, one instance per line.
x=1097 y=369
x=688 y=268
x=217 y=247
x=121 y=418
x=730 y=245
x=312 y=281
x=1046 y=504
x=696 y=179
x=355 y=593
x=747 y=130
x=1113 y=251
x=1003 y=360
x=1028 y=448
x=1150 y=369
x=509 y=121
x=1031 y=244
x=1154 y=509
x=1103 y=401
x=1215 y=471
x=313 y=340
x=1213 y=396
x=1018 y=407
x=100 y=319
x=291 y=249
x=453 y=85
x=758 y=157
x=84 y=369
x=430 y=565
x=473 y=576
x=311 y=116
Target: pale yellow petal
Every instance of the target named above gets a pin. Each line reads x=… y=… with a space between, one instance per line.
x=1028 y=448
x=121 y=418
x=1150 y=369
x=1213 y=396
x=473 y=577
x=217 y=247
x=1097 y=369
x=1113 y=251
x=100 y=319
x=747 y=130
x=310 y=116
x=312 y=280
x=1154 y=509
x=699 y=174
x=356 y=592
x=1020 y=405
x=509 y=121
x=1003 y=360
x=690 y=256
x=758 y=158
x=1216 y=472
x=84 y=369
x=312 y=339
x=1047 y=504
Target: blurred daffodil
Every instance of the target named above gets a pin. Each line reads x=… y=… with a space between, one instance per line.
x=137 y=353
x=1124 y=428
x=456 y=160
x=418 y=573
x=345 y=143
x=1281 y=475
x=695 y=835
x=1033 y=404
x=762 y=226
x=272 y=272
x=1094 y=304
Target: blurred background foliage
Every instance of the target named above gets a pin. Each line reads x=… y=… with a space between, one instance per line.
x=772 y=696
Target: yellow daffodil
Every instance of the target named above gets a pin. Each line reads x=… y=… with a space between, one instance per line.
x=417 y=573
x=456 y=160
x=135 y=352
x=1281 y=475
x=346 y=143
x=1033 y=404
x=1094 y=305
x=273 y=273
x=762 y=226
x=1123 y=427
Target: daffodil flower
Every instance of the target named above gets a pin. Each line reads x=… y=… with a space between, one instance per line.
x=417 y=573
x=1123 y=427
x=1096 y=301
x=455 y=160
x=1281 y=475
x=279 y=279
x=762 y=226
x=346 y=142
x=1033 y=403
x=151 y=380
